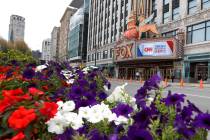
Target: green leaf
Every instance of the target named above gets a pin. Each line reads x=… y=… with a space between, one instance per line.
x=5 y=119
x=7 y=132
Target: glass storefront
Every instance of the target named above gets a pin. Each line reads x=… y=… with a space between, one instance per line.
x=146 y=72
x=197 y=67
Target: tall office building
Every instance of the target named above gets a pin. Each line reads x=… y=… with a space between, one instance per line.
x=55 y=37
x=107 y=21
x=46 y=49
x=16 y=28
x=78 y=32
x=64 y=30
x=186 y=21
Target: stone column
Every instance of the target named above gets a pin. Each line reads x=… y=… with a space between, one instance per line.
x=170 y=10
x=183 y=8
x=159 y=12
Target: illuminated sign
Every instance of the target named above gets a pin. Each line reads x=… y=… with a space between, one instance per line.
x=124 y=52
x=165 y=48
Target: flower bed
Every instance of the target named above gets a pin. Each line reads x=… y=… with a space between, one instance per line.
x=57 y=102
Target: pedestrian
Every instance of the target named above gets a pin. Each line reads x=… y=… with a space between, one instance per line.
x=137 y=75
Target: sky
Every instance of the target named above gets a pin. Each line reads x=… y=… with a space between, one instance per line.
x=40 y=18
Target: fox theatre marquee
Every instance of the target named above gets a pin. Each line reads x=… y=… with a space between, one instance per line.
x=147 y=57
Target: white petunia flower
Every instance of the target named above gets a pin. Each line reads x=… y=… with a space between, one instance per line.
x=40 y=68
x=84 y=112
x=56 y=125
x=112 y=117
x=70 y=81
x=68 y=106
x=60 y=105
x=105 y=88
x=119 y=94
x=77 y=123
x=121 y=120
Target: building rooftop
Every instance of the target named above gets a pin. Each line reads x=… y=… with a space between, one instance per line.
x=73 y=9
x=76 y=3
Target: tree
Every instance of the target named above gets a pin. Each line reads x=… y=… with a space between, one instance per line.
x=22 y=47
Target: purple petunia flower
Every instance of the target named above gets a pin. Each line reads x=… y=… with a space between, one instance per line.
x=67 y=135
x=113 y=137
x=183 y=128
x=123 y=110
x=102 y=95
x=153 y=82
x=174 y=99
x=118 y=129
x=82 y=82
x=31 y=65
x=142 y=119
x=202 y=121
x=186 y=113
x=138 y=134
x=141 y=93
x=95 y=135
x=193 y=107
x=28 y=73
x=14 y=63
x=83 y=130
x=41 y=76
x=93 y=85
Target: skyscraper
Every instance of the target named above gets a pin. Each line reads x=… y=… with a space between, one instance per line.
x=16 y=28
x=78 y=33
x=64 y=30
x=46 y=47
x=55 y=36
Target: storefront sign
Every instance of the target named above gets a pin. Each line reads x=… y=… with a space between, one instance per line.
x=124 y=52
x=164 y=48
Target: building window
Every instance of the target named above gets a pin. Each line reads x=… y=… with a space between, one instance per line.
x=198 y=33
x=89 y=59
x=93 y=57
x=192 y=6
x=166 y=14
x=154 y=9
x=98 y=56
x=105 y=54
x=175 y=9
x=170 y=34
x=205 y=4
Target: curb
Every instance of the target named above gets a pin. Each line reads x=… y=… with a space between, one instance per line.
x=170 y=84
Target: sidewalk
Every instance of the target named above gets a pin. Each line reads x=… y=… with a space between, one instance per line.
x=168 y=83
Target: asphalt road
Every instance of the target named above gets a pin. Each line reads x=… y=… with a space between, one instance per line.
x=200 y=97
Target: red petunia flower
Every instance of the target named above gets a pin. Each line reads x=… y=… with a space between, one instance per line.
x=19 y=136
x=33 y=91
x=21 y=118
x=2 y=77
x=4 y=69
x=45 y=87
x=4 y=104
x=14 y=92
x=16 y=95
x=49 y=109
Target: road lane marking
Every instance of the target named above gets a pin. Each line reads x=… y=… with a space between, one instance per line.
x=196 y=96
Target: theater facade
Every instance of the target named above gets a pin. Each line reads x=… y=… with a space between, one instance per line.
x=148 y=57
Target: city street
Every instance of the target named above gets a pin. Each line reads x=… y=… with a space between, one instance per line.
x=201 y=97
